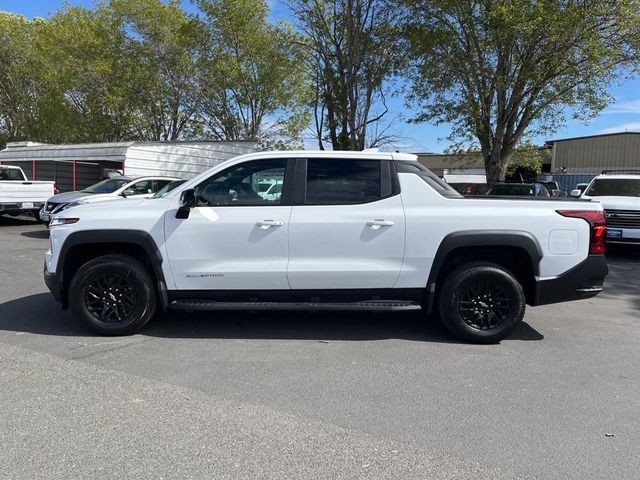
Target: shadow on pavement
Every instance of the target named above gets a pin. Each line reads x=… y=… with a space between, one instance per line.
x=40 y=314
x=7 y=221
x=40 y=234
x=624 y=273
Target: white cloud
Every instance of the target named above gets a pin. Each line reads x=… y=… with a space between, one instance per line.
x=624 y=127
x=625 y=107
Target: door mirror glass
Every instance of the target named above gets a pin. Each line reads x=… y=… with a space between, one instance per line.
x=575 y=193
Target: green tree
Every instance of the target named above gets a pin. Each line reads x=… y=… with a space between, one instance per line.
x=497 y=69
x=526 y=162
x=252 y=87
x=162 y=51
x=20 y=82
x=352 y=53
x=87 y=76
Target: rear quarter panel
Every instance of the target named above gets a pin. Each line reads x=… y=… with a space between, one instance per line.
x=430 y=217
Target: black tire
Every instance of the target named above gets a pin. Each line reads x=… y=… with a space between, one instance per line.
x=481 y=302
x=113 y=295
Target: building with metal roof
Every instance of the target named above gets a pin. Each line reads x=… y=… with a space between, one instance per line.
x=77 y=166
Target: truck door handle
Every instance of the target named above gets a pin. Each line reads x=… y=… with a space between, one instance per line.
x=376 y=224
x=264 y=224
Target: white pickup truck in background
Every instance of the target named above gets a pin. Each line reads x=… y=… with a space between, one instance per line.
x=21 y=196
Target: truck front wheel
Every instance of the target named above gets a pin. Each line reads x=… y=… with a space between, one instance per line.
x=481 y=302
x=113 y=295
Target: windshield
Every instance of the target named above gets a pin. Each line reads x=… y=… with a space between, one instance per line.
x=167 y=188
x=107 y=186
x=11 y=174
x=614 y=187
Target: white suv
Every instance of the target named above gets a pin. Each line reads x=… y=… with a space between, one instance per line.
x=619 y=194
x=349 y=230
x=109 y=189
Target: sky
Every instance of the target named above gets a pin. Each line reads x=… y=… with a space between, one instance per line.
x=622 y=115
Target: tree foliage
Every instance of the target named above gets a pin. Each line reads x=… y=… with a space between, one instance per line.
x=147 y=70
x=497 y=69
x=351 y=54
x=253 y=87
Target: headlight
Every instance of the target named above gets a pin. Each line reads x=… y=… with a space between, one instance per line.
x=56 y=222
x=72 y=204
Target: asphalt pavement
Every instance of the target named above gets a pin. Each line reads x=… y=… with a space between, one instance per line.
x=315 y=395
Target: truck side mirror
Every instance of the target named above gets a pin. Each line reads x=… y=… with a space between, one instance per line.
x=187 y=202
x=575 y=193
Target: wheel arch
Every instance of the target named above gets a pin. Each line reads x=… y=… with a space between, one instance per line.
x=80 y=247
x=486 y=245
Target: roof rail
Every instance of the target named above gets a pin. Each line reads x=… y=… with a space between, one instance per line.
x=622 y=171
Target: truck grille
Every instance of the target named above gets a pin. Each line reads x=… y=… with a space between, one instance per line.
x=50 y=207
x=623 y=218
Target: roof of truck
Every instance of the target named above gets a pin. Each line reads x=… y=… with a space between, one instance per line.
x=371 y=154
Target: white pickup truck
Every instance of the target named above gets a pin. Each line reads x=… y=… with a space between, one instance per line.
x=618 y=191
x=19 y=195
x=348 y=231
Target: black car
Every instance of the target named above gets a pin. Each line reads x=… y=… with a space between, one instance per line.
x=555 y=189
x=519 y=190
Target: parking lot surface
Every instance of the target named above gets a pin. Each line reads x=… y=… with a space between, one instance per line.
x=315 y=395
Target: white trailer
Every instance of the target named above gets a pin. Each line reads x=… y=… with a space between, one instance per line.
x=77 y=166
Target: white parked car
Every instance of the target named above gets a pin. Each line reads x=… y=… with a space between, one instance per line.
x=619 y=194
x=19 y=195
x=350 y=230
x=109 y=189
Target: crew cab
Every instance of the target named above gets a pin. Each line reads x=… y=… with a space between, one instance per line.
x=348 y=231
x=19 y=195
x=619 y=193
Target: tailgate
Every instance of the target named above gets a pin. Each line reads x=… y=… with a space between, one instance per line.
x=15 y=192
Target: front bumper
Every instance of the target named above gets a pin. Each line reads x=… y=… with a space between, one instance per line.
x=583 y=281
x=623 y=235
x=53 y=282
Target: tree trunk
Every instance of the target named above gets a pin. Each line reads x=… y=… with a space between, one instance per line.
x=495 y=165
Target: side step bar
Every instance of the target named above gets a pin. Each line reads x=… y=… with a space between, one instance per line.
x=375 y=305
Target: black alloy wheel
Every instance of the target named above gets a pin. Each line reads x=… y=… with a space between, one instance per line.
x=113 y=294
x=484 y=304
x=481 y=302
x=110 y=298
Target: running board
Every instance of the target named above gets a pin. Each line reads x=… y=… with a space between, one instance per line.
x=375 y=305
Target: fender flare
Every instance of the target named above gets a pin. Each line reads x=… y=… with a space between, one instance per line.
x=481 y=238
x=137 y=237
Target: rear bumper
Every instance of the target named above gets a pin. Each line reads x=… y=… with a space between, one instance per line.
x=583 y=281
x=18 y=208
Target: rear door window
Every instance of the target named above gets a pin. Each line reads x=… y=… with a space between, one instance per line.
x=343 y=181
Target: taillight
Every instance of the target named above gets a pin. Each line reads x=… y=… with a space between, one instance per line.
x=598 y=223
x=55 y=188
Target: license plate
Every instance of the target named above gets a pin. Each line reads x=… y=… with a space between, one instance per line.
x=614 y=233
x=27 y=205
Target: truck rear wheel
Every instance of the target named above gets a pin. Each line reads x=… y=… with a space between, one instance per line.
x=113 y=295
x=481 y=302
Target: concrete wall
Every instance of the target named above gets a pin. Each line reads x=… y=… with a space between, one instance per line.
x=438 y=163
